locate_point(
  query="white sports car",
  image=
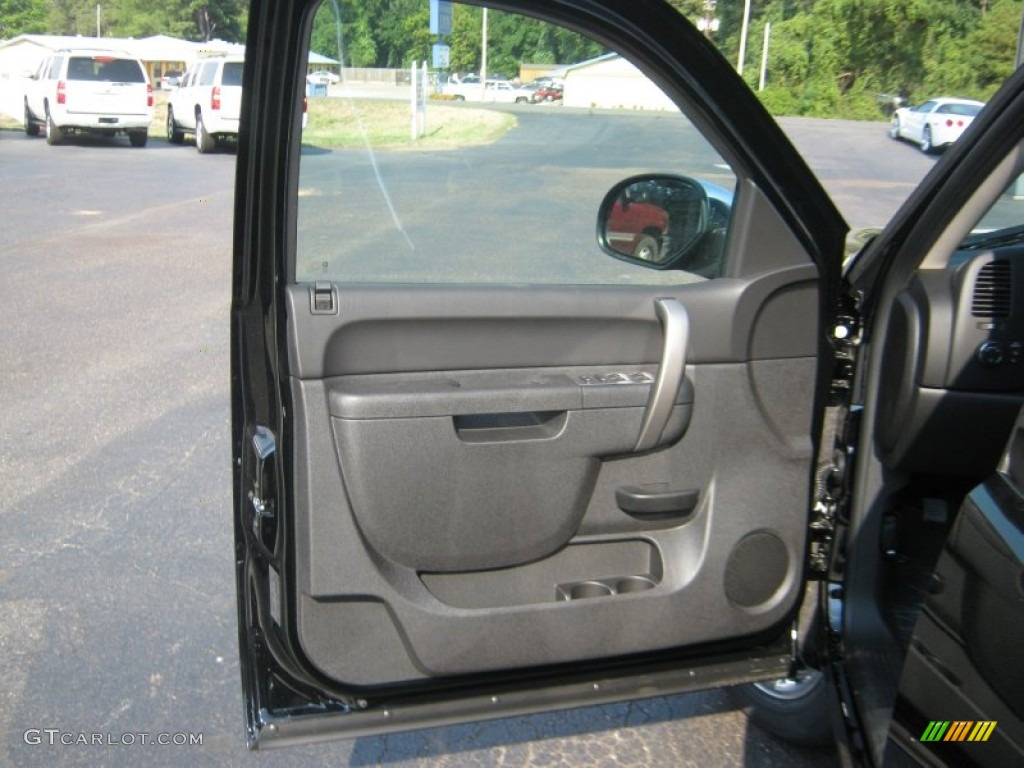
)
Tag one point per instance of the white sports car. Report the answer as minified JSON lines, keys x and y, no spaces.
{"x":936,"y":123}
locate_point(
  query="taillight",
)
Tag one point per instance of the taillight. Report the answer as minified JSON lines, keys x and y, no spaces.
{"x":305,"y":103}
{"x":215,"y":97}
{"x":61,"y":95}
{"x":149,"y":95}
{"x":949,"y":123}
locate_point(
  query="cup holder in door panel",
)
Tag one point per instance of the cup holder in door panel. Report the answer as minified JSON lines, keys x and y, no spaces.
{"x":632,"y":584}
{"x":617,"y":585}
{"x":587,"y":589}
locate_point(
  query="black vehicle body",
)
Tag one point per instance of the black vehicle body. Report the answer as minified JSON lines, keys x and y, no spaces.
{"x":821,"y":432}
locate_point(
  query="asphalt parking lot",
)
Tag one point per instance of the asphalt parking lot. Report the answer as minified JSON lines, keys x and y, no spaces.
{"x":116,"y":571}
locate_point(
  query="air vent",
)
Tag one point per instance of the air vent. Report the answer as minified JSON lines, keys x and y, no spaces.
{"x":992,"y":290}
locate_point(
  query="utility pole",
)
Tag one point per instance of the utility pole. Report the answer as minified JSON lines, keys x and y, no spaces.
{"x":743,"y":36}
{"x":483,"y":58}
{"x":1020,"y":41}
{"x":764,"y":55}
{"x":98,"y":20}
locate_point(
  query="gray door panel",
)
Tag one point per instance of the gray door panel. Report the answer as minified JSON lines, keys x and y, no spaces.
{"x":401,"y":328}
{"x":466,"y":485}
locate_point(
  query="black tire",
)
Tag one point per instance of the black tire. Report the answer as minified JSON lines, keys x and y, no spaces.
{"x":796,"y":710}
{"x":138,"y":138}
{"x":54,"y":135}
{"x":31,"y":126}
{"x":647,"y":249}
{"x":894,"y":128}
{"x":205,"y":141}
{"x":926,"y":140}
{"x":174,"y":134}
{"x":459,"y":97}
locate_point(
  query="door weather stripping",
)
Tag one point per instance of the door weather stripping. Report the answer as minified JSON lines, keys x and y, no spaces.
{"x":675,"y":324}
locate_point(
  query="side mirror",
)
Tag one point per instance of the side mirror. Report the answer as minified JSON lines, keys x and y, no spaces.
{"x":659,"y":220}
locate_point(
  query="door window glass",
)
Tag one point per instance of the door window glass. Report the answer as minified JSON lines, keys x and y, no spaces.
{"x":208,"y":73}
{"x":54,"y":72}
{"x":1003,"y":223}
{"x":503,"y":185}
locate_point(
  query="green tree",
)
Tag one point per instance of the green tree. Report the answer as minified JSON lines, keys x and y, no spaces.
{"x":19,"y":17}
{"x":73,"y":17}
{"x":347,"y":37}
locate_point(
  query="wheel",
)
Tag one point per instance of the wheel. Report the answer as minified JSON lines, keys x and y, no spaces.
{"x":459,"y":97}
{"x":894,"y":128}
{"x":54,"y":135}
{"x":549,"y":97}
{"x":31,"y":126}
{"x":646,"y":249}
{"x":174,"y":134}
{"x":926,"y":140}
{"x":796,"y":710}
{"x":138,"y":138}
{"x":205,"y":142}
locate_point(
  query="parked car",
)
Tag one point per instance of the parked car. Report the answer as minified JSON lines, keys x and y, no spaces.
{"x":549,"y":93}
{"x":81,"y":90}
{"x":638,"y":229}
{"x":323,"y":77}
{"x":654,"y":220}
{"x":498,"y":91}
{"x":526,"y":94}
{"x":935,"y":124}
{"x":170,"y":79}
{"x":460,"y":496}
{"x":207,"y":102}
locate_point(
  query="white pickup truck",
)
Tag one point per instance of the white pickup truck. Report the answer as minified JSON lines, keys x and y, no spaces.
{"x":89,"y":91}
{"x":497,"y":91}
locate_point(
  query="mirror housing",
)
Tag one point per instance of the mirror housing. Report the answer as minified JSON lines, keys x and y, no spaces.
{"x":664,"y":221}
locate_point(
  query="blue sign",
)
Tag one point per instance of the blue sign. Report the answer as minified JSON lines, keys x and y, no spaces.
{"x":442,"y":55}
{"x":440,"y":17}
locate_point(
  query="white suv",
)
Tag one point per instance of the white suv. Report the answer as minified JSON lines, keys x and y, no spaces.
{"x":207,"y":102}
{"x":89,"y":91}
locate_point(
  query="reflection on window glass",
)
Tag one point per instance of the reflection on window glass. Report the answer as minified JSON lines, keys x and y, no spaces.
{"x":491,"y":176}
{"x":1003,"y":223}
{"x":232,"y":74}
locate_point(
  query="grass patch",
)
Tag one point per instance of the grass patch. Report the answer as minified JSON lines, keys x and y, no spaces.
{"x":342,"y":122}
{"x":387,"y":125}
{"x":158,"y":125}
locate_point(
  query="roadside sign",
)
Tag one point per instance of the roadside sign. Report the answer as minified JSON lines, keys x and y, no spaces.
{"x":442,"y":55}
{"x":440,"y":17}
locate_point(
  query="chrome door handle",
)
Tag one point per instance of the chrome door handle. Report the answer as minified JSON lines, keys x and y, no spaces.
{"x":675,"y":324}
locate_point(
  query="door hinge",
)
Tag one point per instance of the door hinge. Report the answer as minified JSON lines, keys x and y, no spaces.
{"x":264,"y":446}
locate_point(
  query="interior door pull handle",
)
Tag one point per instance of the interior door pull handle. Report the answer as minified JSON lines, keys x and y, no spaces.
{"x":675,"y":325}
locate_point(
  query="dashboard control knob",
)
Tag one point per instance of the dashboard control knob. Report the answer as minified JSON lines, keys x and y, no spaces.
{"x":990,"y":353}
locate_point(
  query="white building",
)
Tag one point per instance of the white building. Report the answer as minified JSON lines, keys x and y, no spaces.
{"x":611,"y":82}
